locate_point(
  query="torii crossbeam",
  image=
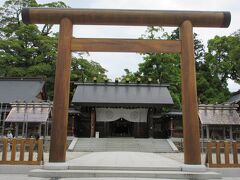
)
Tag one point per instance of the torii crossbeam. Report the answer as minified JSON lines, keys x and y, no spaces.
{"x":186,"y":20}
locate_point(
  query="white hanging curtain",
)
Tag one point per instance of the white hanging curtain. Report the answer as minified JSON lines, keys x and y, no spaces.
{"x":113,"y":114}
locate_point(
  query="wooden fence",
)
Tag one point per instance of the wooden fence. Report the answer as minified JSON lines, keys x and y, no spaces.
{"x":21,"y":151}
{"x":222,"y":154}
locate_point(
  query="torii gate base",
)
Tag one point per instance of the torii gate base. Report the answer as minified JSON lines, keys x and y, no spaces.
{"x":67,"y":17}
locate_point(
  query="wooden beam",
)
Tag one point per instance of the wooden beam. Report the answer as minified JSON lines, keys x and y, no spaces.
{"x":126,"y":17}
{"x":125,"y":45}
{"x":61,"y":94}
{"x":189,"y":97}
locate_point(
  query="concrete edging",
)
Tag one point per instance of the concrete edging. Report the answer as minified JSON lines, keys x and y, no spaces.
{"x":72,"y":145}
{"x":17,"y":169}
{"x":174,"y":148}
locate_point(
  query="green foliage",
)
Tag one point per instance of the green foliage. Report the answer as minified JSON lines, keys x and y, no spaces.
{"x":84,"y":70}
{"x":30,"y":51}
{"x":223,"y":57}
{"x":165,"y":68}
{"x":210,"y":88}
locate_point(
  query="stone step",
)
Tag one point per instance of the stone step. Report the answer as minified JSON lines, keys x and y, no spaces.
{"x":122,"y":144}
{"x":123,"y":174}
{"x":123,"y":168}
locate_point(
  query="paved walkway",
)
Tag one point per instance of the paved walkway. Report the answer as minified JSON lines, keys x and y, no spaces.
{"x":117,"y":159}
{"x":25,"y":177}
{"x":125,"y":159}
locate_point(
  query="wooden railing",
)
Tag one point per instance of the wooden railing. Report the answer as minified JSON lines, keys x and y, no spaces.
{"x":21,"y":151}
{"x":222,"y":154}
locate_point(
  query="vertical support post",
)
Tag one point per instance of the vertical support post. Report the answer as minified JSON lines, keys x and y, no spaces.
{"x":189,"y":97}
{"x":231,"y":133}
{"x":226,"y":152}
{"x":16,"y":130}
{"x":202,"y":139}
{"x":105,"y":129}
{"x":171,"y":127}
{"x":61,"y":94}
{"x":40,"y":129}
{"x":23,"y":129}
{"x":45,"y":130}
{"x":1,"y":120}
{"x":93,"y":122}
{"x":26,"y":135}
{"x":150,"y":124}
{"x":4,"y":118}
{"x":224,"y":132}
{"x":208,"y":134}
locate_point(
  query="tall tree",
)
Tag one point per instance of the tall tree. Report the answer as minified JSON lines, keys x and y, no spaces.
{"x":223,"y":57}
{"x":30,"y":50}
{"x":165,"y":68}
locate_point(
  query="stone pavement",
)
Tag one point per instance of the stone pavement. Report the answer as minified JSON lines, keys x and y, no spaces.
{"x":125,"y":159}
{"x":105,"y":159}
{"x":26,"y":177}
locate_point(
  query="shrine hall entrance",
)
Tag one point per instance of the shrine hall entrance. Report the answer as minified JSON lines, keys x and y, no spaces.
{"x":121,"y":128}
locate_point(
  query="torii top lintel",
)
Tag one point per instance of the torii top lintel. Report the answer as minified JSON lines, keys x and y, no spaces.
{"x":126,"y":17}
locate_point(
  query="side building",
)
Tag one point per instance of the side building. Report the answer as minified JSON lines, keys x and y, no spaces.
{"x":22,"y":110}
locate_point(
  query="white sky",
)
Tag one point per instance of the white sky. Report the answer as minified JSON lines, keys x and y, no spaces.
{"x":115,"y":63}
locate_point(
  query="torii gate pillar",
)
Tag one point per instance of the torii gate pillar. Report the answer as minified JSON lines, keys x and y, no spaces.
{"x":58,"y":144}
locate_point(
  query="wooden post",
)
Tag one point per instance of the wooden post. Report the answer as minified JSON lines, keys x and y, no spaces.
{"x":189,"y":97}
{"x":22,"y":148}
{"x":226,"y":152}
{"x":208,"y":134}
{"x":209,"y":153}
{"x":235,"y":152}
{"x":93,"y":122}
{"x":40,"y":150}
{"x":26,"y":135}
{"x":218,"y":152}
{"x":105,"y":129}
{"x":150,"y":124}
{"x":31,"y":147}
{"x":23,"y":129}
{"x":224,"y":132}
{"x":202,"y":139}
{"x":4,"y":149}
{"x":231,"y":133}
{"x":13,"y":150}
{"x":61,"y":94}
{"x":40,"y":129}
{"x":16,"y":130}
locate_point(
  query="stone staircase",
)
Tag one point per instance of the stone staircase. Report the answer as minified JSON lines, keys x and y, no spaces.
{"x":122,"y":144}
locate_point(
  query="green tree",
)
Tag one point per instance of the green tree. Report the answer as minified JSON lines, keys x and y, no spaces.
{"x":161,"y":68}
{"x":30,"y":50}
{"x":84,"y":70}
{"x":165,"y":68}
{"x":223,"y":57}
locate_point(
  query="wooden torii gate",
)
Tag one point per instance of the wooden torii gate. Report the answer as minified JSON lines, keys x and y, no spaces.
{"x":186,"y":20}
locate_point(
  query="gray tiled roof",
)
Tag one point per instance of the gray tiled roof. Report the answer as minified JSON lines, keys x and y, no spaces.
{"x":132,"y":95}
{"x":219,"y":115}
{"x":235,"y":98}
{"x":20,"y":90}
{"x":29,"y":113}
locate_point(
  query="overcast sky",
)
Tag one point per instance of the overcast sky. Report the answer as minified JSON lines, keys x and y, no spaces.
{"x":115,"y":63}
